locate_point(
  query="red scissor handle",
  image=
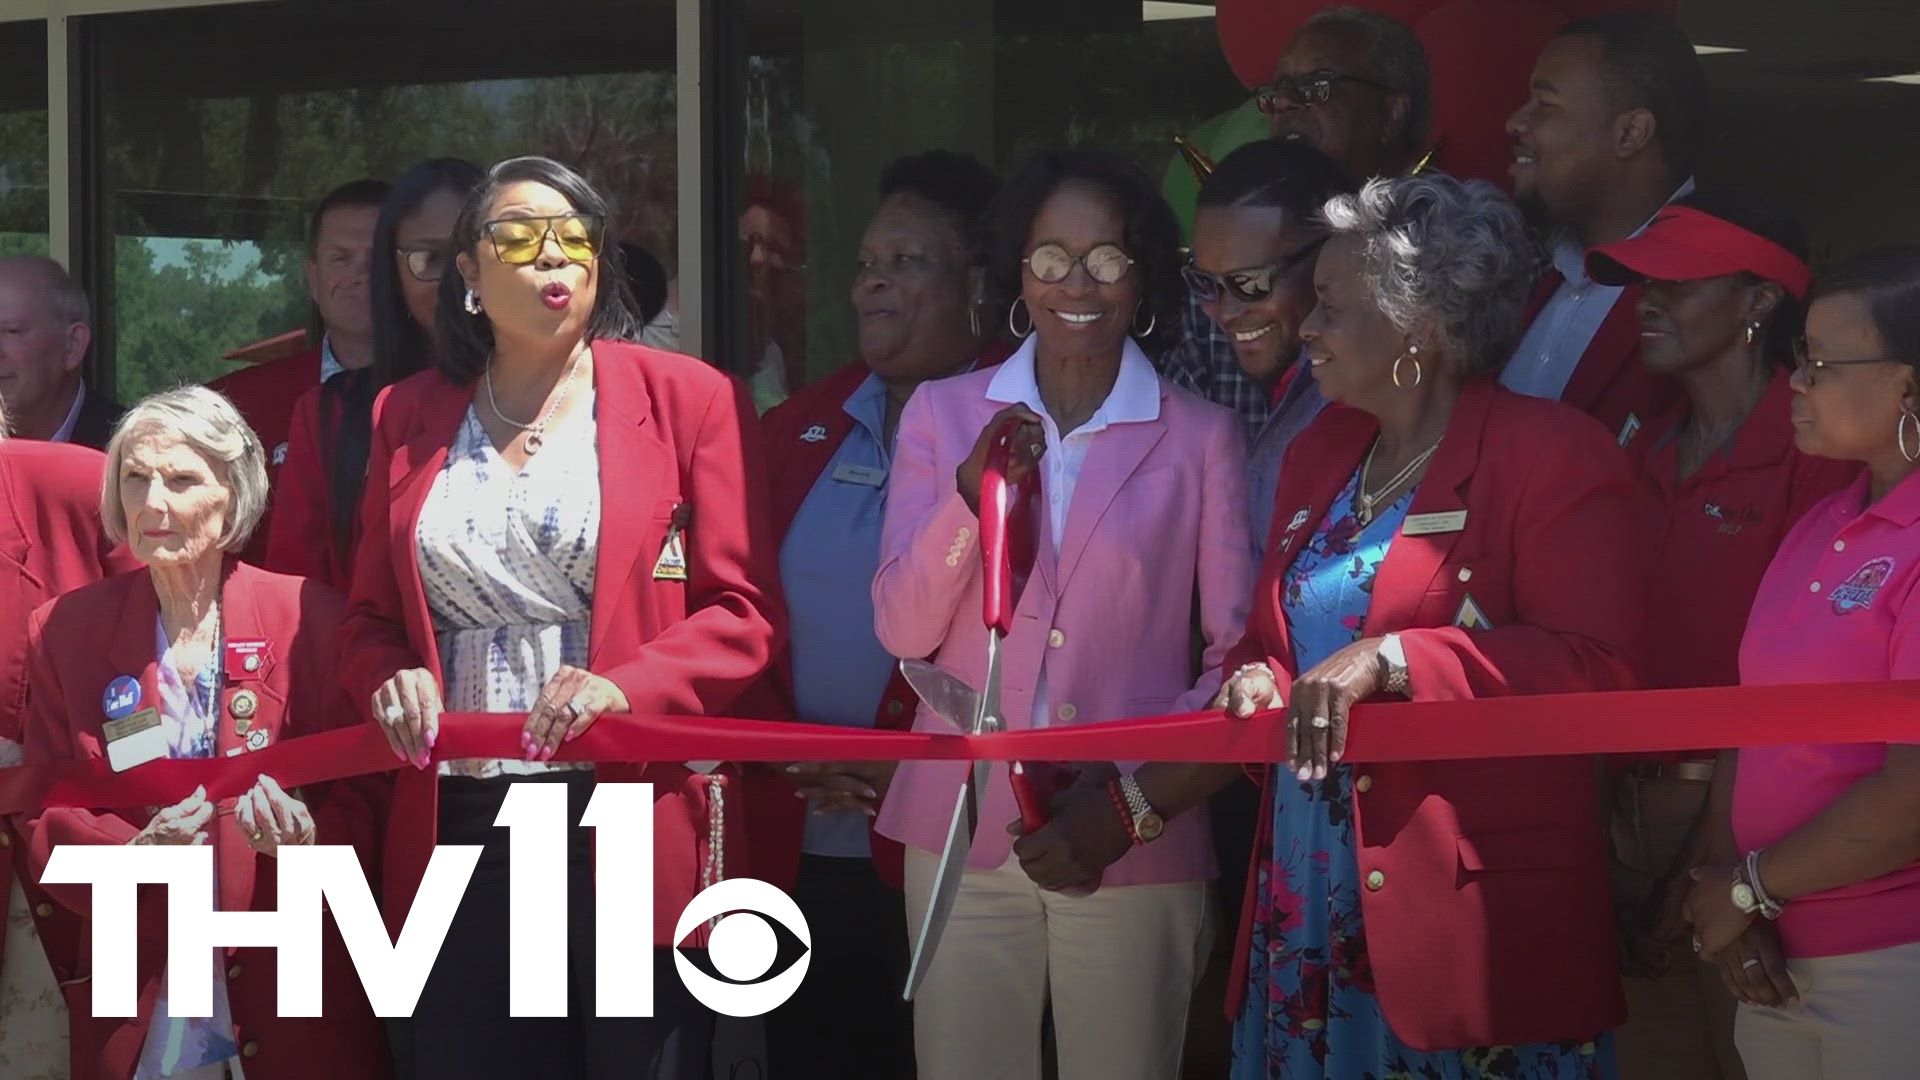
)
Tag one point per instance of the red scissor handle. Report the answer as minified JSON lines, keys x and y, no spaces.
{"x":1033,"y":809}
{"x":997,"y":513}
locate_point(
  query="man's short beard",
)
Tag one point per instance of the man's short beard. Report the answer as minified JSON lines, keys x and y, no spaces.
{"x":1534,"y":209}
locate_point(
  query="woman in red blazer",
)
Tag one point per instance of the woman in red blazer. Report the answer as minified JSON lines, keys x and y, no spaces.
{"x":316,"y":492}
{"x":1434,"y":538}
{"x":50,"y":543}
{"x":561,"y":524}
{"x":200,"y":655}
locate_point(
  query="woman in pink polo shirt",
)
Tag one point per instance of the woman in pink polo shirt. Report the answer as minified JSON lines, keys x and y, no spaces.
{"x":1814,"y":890}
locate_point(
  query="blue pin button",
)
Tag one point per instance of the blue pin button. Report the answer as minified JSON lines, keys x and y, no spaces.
{"x":122,"y":697}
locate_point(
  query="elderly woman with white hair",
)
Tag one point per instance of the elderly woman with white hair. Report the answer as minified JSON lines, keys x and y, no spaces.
{"x":1435,"y":538}
{"x":196,"y":655}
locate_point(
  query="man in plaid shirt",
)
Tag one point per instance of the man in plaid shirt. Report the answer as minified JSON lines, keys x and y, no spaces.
{"x":1354,"y":84}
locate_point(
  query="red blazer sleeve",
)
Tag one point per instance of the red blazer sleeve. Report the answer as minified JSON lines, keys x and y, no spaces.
{"x":734,"y":624}
{"x":300,"y":536}
{"x":1575,"y":547}
{"x":346,"y":811}
{"x":49,"y":738}
{"x":373,"y":633}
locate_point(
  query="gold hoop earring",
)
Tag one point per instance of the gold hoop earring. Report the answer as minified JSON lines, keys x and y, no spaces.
{"x":472,"y":303}
{"x":1413,"y":353}
{"x":1153,"y":320}
{"x":1018,"y":305}
{"x":1900,"y":434}
{"x":1753,"y":328}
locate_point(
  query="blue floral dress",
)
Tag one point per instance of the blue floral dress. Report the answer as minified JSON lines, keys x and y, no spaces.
{"x":1311,"y":1011}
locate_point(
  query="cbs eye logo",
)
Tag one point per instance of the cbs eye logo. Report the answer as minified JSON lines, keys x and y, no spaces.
{"x":742,"y":973}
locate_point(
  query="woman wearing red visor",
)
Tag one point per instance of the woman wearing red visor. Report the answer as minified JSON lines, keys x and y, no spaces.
{"x":1720,"y":307}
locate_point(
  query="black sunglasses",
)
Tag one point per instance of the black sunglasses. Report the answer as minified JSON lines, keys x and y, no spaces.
{"x":1313,"y":88}
{"x":1249,"y":286}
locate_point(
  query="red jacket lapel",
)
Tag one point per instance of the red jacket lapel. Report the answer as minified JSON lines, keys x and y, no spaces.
{"x":417,"y":461}
{"x":1412,"y":562}
{"x":802,"y":437}
{"x":633,"y":464}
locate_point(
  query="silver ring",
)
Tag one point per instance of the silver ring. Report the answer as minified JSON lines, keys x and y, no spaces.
{"x":573,"y":711}
{"x":1322,"y":722}
{"x":1750,"y":962}
{"x":394,"y":714}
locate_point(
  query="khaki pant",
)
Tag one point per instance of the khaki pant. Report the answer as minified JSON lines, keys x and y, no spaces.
{"x":1855,"y":1020}
{"x":1679,"y":1026}
{"x":1119,"y":965}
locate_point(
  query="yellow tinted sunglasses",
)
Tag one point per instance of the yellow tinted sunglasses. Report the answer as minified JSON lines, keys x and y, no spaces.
{"x":517,"y":241}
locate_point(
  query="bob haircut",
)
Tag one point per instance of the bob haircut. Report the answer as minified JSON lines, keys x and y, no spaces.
{"x":467,"y":340}
{"x":205,"y":420}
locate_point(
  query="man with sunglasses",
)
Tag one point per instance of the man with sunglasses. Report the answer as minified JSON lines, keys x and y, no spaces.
{"x":1354,"y":85}
{"x":339,"y":263}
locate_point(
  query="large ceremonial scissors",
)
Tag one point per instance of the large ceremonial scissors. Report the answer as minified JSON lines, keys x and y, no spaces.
{"x":1007,"y":546}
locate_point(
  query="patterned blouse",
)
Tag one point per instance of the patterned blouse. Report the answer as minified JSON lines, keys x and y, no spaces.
{"x":507,"y":559}
{"x":189,"y":1047}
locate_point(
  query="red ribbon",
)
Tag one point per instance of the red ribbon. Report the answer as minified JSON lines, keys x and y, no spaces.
{"x":1648,"y":721}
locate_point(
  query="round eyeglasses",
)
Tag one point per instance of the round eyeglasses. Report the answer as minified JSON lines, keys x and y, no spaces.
{"x":1050,"y":263}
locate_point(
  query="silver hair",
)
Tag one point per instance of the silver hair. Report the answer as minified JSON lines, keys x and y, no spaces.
{"x":1402,"y":59}
{"x":205,"y":420}
{"x":70,"y":302}
{"x":1443,"y":259}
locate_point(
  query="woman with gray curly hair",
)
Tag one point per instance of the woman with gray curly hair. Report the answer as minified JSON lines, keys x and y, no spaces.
{"x":1435,"y":538}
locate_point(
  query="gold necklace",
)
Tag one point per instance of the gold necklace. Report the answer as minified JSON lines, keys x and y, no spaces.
{"x":1368,"y":500}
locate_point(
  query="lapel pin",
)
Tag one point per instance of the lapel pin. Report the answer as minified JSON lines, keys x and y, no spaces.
{"x":243,"y":706}
{"x":816,"y":433}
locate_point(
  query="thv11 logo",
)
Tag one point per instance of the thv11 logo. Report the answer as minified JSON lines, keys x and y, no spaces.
{"x":741,"y":944}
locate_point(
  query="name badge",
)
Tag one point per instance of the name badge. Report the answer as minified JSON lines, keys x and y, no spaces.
{"x":866,"y":476}
{"x":135,"y":740}
{"x":1434,"y":524}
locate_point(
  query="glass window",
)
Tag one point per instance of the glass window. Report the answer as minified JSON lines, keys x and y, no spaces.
{"x":830,"y":91}
{"x":220,"y":127}
{"x":23,"y":138}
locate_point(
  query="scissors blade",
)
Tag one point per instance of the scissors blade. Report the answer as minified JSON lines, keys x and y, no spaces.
{"x":946,"y":885}
{"x":950,"y":698}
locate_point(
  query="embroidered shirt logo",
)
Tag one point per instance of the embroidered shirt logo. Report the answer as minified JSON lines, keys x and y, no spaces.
{"x":816,"y":433}
{"x":1856,"y":593}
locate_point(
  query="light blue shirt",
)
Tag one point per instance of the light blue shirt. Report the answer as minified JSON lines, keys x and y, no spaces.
{"x":330,"y":364}
{"x":1552,"y":347}
{"x":830,"y":555}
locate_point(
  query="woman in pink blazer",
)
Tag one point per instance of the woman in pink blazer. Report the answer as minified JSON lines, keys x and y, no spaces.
{"x":1142,"y":498}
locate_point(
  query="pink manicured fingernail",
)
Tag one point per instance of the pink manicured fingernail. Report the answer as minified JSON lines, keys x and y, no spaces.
{"x":432,"y":734}
{"x":526,"y":742}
